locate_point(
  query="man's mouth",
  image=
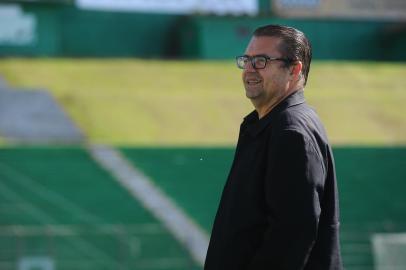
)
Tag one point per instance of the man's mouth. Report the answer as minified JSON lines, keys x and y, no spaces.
{"x":253,"y":81}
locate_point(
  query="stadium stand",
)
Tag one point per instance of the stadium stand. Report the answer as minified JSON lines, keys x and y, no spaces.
{"x":33,"y":116}
{"x":58,"y":207}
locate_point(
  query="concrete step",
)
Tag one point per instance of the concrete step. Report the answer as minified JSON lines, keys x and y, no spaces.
{"x":34,"y":116}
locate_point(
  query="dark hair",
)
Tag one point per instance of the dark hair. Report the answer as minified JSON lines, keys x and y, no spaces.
{"x":294,"y":46}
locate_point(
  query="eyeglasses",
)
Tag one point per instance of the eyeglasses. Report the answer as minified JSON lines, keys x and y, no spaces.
{"x":257,"y":62}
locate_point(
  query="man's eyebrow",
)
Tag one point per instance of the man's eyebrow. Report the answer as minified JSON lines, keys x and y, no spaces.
{"x":261,"y":54}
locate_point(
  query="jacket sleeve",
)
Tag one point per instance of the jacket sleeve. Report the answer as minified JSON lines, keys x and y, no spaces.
{"x":293,"y":188}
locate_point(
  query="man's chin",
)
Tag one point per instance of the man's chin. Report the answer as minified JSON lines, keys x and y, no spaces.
{"x":251,"y":94}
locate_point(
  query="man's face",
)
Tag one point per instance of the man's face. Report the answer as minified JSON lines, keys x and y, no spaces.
{"x":265,"y":86}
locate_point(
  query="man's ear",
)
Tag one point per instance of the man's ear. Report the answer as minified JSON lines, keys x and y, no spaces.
{"x":296,"y":69}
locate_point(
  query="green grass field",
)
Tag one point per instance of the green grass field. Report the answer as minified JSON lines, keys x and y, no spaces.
{"x":57,"y":202}
{"x":150,"y":102}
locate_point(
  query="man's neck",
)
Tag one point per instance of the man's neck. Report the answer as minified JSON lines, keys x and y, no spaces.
{"x":264,"y":109}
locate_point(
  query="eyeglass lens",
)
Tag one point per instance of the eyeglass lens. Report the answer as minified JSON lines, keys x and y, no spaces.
{"x":258,"y":62}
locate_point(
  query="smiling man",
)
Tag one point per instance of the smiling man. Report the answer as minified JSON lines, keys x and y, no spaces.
{"x":279,"y":207}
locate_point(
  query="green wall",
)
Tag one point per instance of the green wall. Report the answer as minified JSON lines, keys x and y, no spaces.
{"x":47,"y":41}
{"x":226,"y":37}
{"x":92,"y":33}
{"x":63,"y":30}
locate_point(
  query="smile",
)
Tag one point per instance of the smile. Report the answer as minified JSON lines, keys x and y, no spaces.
{"x":253,"y":82}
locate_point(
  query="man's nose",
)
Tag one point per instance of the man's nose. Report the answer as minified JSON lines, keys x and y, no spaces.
{"x":249,"y":66}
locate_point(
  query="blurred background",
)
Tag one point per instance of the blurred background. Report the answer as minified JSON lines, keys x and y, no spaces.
{"x":119,"y":118}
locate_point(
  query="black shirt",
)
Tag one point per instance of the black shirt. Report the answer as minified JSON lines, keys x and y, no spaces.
{"x":279,"y":207}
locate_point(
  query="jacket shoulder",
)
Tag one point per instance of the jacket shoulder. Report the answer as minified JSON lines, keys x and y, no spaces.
{"x":296,"y":118}
{"x":304,"y":120}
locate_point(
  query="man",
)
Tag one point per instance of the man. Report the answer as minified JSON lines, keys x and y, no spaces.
{"x":279,"y":207}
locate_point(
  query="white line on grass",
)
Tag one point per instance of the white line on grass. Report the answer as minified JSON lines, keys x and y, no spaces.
{"x":34,"y":212}
{"x":184,"y":229}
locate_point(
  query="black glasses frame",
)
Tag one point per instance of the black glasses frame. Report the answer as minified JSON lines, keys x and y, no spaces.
{"x":253,"y":59}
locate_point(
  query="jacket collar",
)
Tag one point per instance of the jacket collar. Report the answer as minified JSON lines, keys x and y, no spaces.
{"x":254,"y":125}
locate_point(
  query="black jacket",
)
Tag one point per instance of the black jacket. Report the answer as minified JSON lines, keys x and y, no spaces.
{"x":279,"y":207}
